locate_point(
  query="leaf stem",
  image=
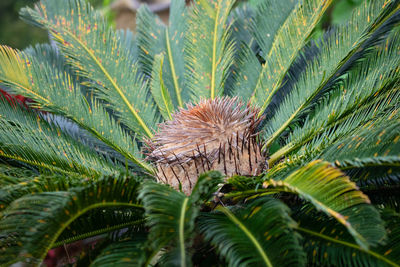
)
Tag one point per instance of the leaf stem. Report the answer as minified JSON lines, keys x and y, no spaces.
{"x":96,"y":232}
{"x":214,"y":53}
{"x":83,"y":211}
{"x":172,"y":66}
{"x":253,"y":239}
{"x":344,"y":243}
{"x":181,"y":232}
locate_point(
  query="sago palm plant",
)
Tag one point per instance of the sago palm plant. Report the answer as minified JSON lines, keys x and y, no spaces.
{"x":229,"y":137}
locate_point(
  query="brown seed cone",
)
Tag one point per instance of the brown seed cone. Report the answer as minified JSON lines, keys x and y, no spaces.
{"x":216,"y":134}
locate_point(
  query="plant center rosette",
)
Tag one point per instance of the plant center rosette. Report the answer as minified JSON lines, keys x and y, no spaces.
{"x":216,"y":134}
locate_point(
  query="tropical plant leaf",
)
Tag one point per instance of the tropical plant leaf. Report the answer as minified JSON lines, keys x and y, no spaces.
{"x":98,"y":222}
{"x":171,"y":225}
{"x":327,"y":243}
{"x":377,"y":76}
{"x":209,"y":50}
{"x":331,"y":192}
{"x":268,"y":20}
{"x":92,"y":54}
{"x":377,"y":142}
{"x":26,"y":137}
{"x":31,"y":183}
{"x":175,"y":53}
{"x":319,"y":76}
{"x":158,"y":89}
{"x":377,"y":161}
{"x":149,"y":37}
{"x":94,"y":222}
{"x":31,"y":225}
{"x":121,"y":253}
{"x":155,"y":38}
{"x":259,"y":233}
{"x":287,"y":43}
{"x":51,"y":94}
{"x":11,"y":175}
{"x":246,"y":49}
{"x":245,"y":73}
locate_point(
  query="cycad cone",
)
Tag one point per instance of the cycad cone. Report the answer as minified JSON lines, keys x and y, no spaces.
{"x":216,"y":134}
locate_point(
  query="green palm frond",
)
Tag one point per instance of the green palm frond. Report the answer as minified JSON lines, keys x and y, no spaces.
{"x":32,"y":183}
{"x":149,"y":38}
{"x":154,"y":38}
{"x":175,"y":52}
{"x":327,"y":66}
{"x":242,"y":18}
{"x":379,"y":141}
{"x":331,"y":192}
{"x":122,"y":253}
{"x":77,"y":157}
{"x":51,"y":88}
{"x":260,"y":233}
{"x":11,"y":175}
{"x":92,"y":223}
{"x":92,"y":54}
{"x":171,"y":225}
{"x":27,"y":137}
{"x":269,"y":17}
{"x":209,"y":49}
{"x":100,"y":222}
{"x":328,"y":244}
{"x":378,"y":76}
{"x":243,"y":76}
{"x":288,"y":41}
{"x":376,"y":160}
{"x":255,"y":26}
{"x":160,"y":93}
{"x":31,"y":225}
{"x":245,"y":73}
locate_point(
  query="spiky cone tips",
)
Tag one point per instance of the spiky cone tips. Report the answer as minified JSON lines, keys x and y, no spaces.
{"x":216,"y":134}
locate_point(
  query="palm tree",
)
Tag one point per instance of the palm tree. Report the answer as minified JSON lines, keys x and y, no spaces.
{"x":228,"y":137}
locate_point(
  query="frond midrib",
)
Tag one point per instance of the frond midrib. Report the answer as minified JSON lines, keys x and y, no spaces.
{"x":96,"y":232}
{"x":328,"y":79}
{"x":292,"y":58}
{"x":114,"y":84}
{"x":81,"y":212}
{"x":214,"y":52}
{"x":252,"y":238}
{"x":172,"y":66}
{"x":347,"y":244}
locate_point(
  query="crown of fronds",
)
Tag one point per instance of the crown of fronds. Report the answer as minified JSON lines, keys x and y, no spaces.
{"x":120,"y":132}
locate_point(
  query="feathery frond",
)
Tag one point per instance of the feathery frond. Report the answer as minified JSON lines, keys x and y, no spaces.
{"x":328,"y":64}
{"x":260,"y":233}
{"x":93,"y":53}
{"x":327,"y":243}
{"x":377,"y":76}
{"x":122,"y":253}
{"x":159,"y":91}
{"x":208,"y":47}
{"x":330,"y":191}
{"x":27,"y":137}
{"x":170,"y":225}
{"x":51,"y":88}
{"x":288,"y":41}
{"x":324,"y":192}
{"x":31,"y":224}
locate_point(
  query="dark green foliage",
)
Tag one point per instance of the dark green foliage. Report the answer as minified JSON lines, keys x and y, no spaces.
{"x":171,"y":217}
{"x":33,"y":223}
{"x":260,"y":233}
{"x":73,"y":165}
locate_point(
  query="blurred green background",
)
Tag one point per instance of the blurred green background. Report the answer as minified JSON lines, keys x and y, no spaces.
{"x":15,"y":33}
